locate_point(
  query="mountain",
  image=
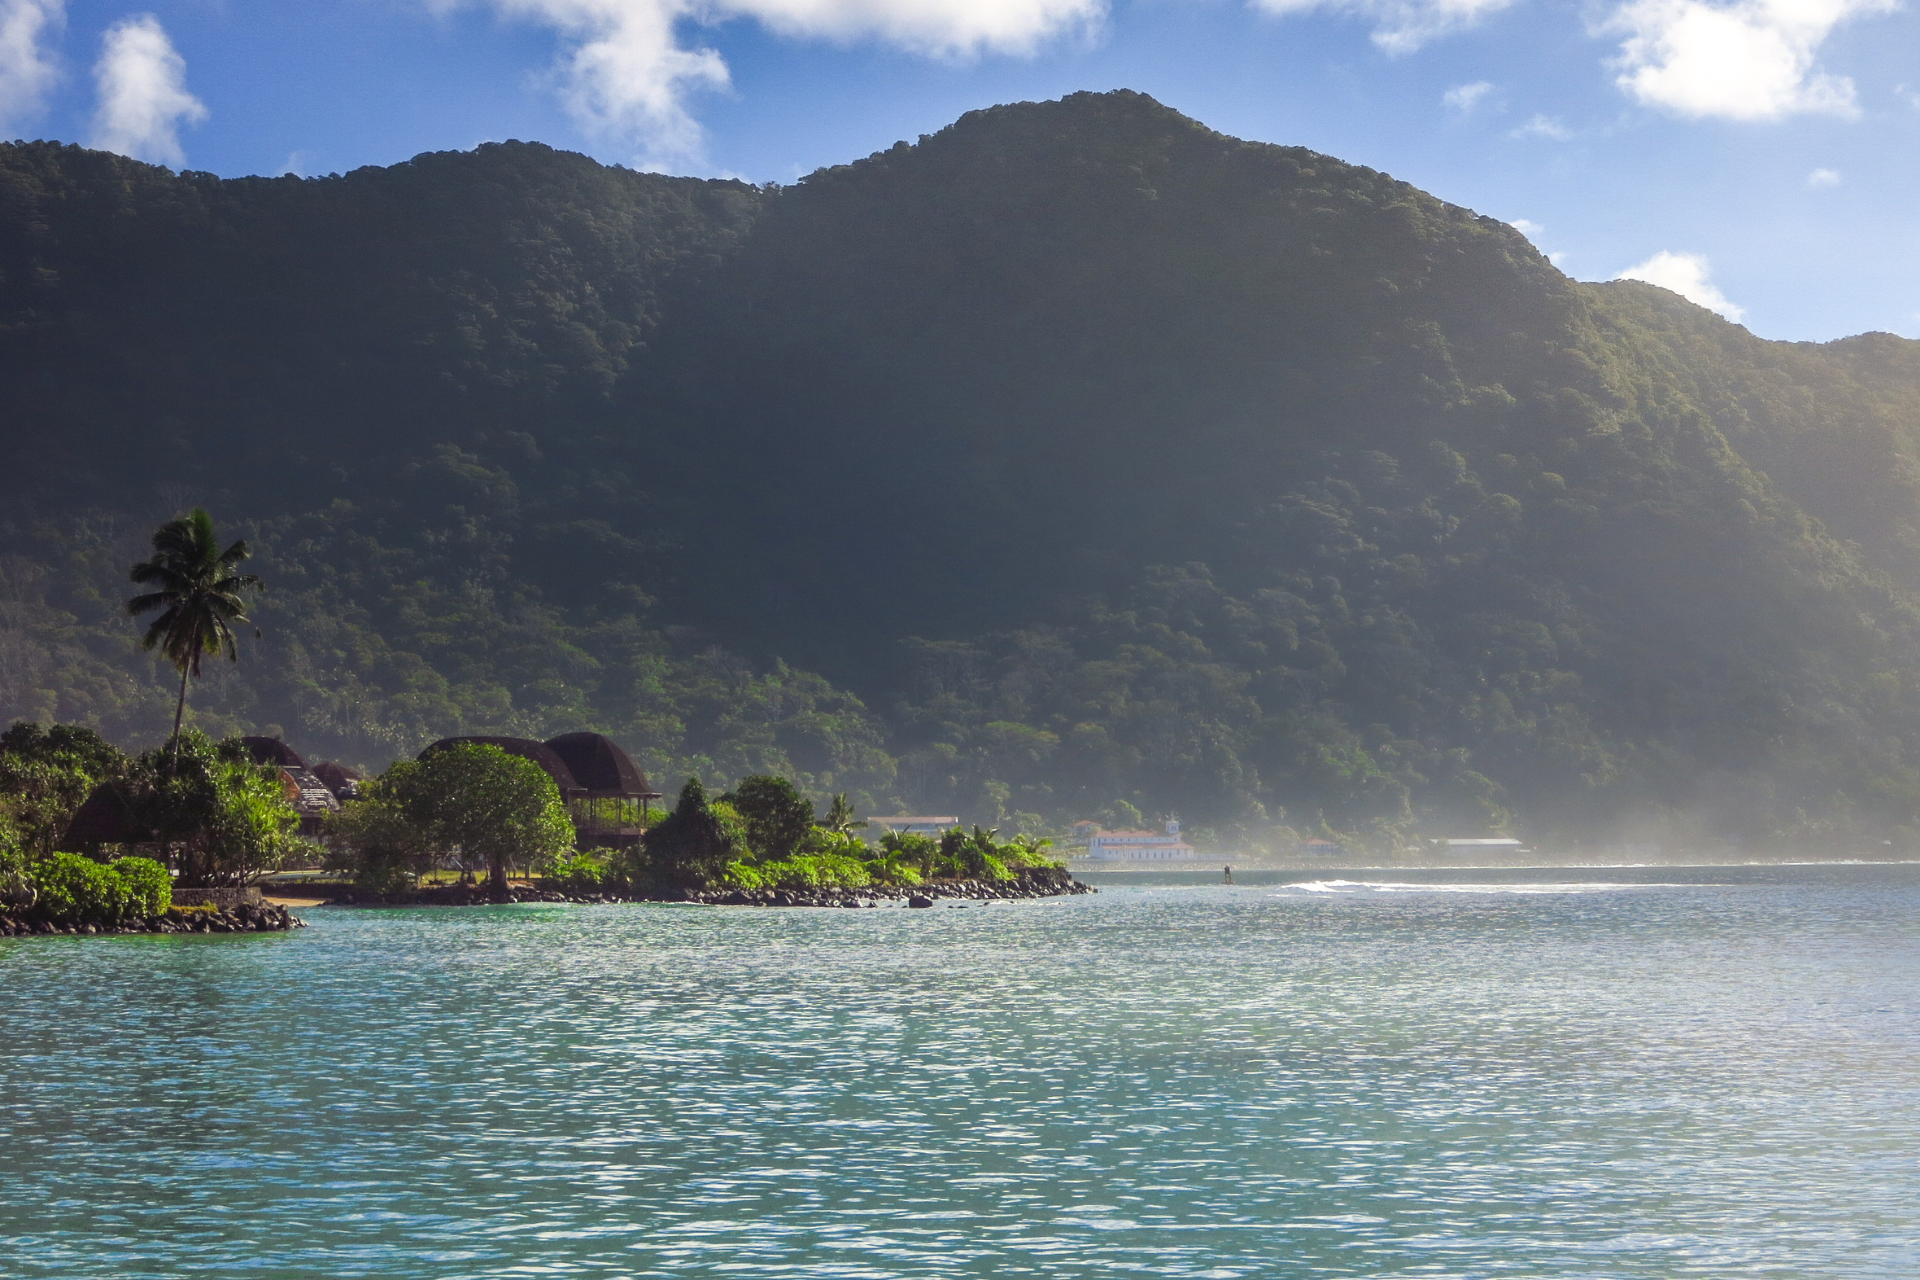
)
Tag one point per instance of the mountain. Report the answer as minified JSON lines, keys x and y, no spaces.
{"x":1098,"y":464}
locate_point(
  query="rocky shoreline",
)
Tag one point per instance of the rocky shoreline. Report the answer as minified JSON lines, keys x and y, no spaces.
{"x":245,"y":917}
{"x":1040,"y":882}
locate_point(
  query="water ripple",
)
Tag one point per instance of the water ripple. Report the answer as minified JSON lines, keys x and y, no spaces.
{"x":1512,"y":1077}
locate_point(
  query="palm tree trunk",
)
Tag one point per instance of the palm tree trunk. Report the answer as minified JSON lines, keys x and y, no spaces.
{"x":179,"y":710}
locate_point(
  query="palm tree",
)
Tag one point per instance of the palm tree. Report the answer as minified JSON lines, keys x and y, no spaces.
{"x":200,"y":593}
{"x":840,"y":817}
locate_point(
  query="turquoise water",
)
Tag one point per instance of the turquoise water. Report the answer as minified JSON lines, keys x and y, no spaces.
{"x":1552,"y":1074}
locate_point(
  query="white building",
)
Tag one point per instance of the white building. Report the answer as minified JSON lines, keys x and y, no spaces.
{"x":915,"y":824}
{"x":1481,"y":844}
{"x":1139,"y":846}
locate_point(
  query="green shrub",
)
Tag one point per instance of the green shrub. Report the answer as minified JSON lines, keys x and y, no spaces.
{"x":383,"y":869}
{"x":578,"y":871}
{"x":16,"y":880}
{"x":739,"y":875}
{"x":73,"y":890}
{"x":775,"y":816}
{"x":815,"y":871}
{"x":694,"y":844}
{"x":149,"y":889}
{"x":887,"y":869}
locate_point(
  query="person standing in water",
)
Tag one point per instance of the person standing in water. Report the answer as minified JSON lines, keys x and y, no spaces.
{"x":1229,"y":879}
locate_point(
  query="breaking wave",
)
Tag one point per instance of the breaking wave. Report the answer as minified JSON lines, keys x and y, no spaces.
{"x":1398,"y":886}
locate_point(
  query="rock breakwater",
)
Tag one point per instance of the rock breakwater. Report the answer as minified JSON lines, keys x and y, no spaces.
{"x":243,"y":918}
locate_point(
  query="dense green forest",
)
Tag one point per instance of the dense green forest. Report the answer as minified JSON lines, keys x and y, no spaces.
{"x":1075,"y":461}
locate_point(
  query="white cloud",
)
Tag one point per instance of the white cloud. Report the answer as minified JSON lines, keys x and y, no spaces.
{"x":1750,"y":60}
{"x":1543,"y":127}
{"x":1824,"y":178}
{"x":1465,"y":97}
{"x":1687,"y":275}
{"x":1399,"y":26}
{"x":627,"y":73}
{"x":143,"y":93}
{"x":27,"y":68}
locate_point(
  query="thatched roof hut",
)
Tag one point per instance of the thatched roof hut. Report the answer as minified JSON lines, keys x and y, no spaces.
{"x":273,"y":751}
{"x":342,"y":781}
{"x":602,"y":766}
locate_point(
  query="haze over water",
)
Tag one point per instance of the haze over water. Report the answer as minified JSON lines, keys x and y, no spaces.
{"x":1647,"y":1073}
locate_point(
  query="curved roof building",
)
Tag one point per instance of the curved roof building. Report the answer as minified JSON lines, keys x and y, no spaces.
{"x":273,"y":751}
{"x":601,"y":765}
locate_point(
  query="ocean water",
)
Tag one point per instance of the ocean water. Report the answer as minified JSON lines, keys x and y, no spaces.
{"x":1647,"y":1073}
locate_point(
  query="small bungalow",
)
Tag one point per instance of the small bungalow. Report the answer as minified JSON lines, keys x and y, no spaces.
{"x":1140,"y":846}
{"x":342,"y":781}
{"x":311,"y":796}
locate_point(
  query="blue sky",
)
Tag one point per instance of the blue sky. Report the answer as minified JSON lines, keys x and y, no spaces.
{"x":1759,"y":155}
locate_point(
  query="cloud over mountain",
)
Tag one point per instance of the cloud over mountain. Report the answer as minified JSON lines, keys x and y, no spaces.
{"x":27,"y":68}
{"x":628,"y":69}
{"x":144,"y":101}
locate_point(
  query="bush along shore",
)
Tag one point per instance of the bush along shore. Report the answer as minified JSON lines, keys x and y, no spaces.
{"x":65,"y":893}
{"x":1031,"y":882}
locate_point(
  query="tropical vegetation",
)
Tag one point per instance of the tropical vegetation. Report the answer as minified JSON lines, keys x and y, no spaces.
{"x":1075,"y":461}
{"x":471,"y":805}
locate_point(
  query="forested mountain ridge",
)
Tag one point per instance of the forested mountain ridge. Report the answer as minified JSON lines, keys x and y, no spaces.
{"x":1114,"y":464}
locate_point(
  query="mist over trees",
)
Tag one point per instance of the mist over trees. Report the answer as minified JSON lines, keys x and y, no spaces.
{"x":1075,"y":461}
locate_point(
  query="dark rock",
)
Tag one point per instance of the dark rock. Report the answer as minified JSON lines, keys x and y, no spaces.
{"x":919,"y":900}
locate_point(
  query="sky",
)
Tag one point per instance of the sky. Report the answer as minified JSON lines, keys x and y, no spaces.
{"x":1757,"y":156}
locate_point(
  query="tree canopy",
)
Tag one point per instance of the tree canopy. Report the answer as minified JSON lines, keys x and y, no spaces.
{"x":474,"y":801}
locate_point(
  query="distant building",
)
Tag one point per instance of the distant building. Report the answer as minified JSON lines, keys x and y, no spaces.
{"x":1478,"y":844}
{"x":1319,"y":848}
{"x":1139,"y":846}
{"x":306,"y":791}
{"x":916,"y":824}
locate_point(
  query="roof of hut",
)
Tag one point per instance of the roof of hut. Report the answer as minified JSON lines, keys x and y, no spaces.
{"x":526,"y":748}
{"x":339,"y":779}
{"x":103,"y":819}
{"x":601,"y":765}
{"x":309,"y":793}
{"x":273,"y":751}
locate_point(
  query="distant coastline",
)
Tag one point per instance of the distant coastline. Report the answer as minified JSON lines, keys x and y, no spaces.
{"x":1294,"y":866}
